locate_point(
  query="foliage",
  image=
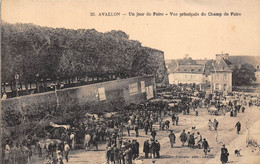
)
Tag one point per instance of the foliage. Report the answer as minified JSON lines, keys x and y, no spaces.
{"x":187,"y":60}
{"x":28,"y":50}
{"x":243,"y":75}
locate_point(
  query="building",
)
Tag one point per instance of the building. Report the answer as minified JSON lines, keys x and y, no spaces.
{"x":171,"y":66}
{"x":221,"y":74}
{"x":189,"y":74}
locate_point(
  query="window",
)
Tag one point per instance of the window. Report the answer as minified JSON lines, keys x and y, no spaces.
{"x":133,"y":89}
{"x":192,"y":70}
{"x":225,"y":77}
{"x":102,"y":94}
{"x":257,"y":67}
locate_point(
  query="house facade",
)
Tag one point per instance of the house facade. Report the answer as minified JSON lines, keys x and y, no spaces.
{"x":189,"y":74}
{"x":221,"y":75}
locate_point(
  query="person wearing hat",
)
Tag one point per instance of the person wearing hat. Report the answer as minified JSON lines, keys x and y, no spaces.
{"x":198,"y":140}
{"x":205,"y":146}
{"x":210,"y":124}
{"x":95,"y":141}
{"x":224,"y":154}
{"x":238,"y":125}
{"x":172,"y":138}
{"x":153,"y":148}
{"x":136,"y":130}
{"x":153,"y":134}
{"x":108,"y":154}
{"x":146,"y":148}
{"x":128,"y":155}
{"x":157,"y":148}
{"x":183,"y":137}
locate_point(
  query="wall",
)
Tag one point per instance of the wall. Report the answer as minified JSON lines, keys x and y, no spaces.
{"x":188,"y":78}
{"x":171,"y":78}
{"x":257,"y":75}
{"x":220,"y":81}
{"x":89,"y":96}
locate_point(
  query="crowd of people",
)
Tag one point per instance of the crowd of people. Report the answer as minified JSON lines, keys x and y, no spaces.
{"x":91,"y":130}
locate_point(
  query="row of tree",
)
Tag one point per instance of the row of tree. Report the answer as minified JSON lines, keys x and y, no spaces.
{"x":29,"y":50}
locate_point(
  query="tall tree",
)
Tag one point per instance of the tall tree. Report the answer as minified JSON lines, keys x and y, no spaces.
{"x":243,"y":75}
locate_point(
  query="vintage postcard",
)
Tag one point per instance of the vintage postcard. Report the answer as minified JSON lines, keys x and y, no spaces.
{"x":130,"y":81}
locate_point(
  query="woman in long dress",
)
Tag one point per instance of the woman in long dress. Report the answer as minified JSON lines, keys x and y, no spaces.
{"x":224,"y":155}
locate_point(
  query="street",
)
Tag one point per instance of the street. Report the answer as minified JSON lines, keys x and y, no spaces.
{"x":226,"y":134}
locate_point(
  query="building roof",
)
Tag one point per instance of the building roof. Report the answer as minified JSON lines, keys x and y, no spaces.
{"x":222,"y":66}
{"x":196,"y":69}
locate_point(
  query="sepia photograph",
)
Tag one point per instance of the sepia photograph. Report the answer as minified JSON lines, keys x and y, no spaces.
{"x":130,"y":82}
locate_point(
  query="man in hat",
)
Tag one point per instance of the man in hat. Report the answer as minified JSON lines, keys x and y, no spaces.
{"x":128,"y":129}
{"x":136,"y":131}
{"x":192,"y":140}
{"x":205,"y":146}
{"x":183,"y":137}
{"x":146,"y":148}
{"x":136,"y":144}
{"x":153,"y":148}
{"x":210,"y":124}
{"x":128,"y":155}
{"x":224,"y":154}
{"x":95,"y":141}
{"x":215,"y":124}
{"x":238,"y":125}
{"x":167,"y":124}
{"x":157,"y":148}
{"x":146,"y":127}
{"x":108,"y":154}
{"x":177,"y":120}
{"x":199,"y":139}
{"x":172,"y":138}
{"x":153,"y":134}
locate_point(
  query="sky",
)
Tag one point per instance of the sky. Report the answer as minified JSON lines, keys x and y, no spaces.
{"x":200,"y":37}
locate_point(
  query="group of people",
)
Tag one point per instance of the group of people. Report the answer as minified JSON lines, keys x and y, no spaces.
{"x":213,"y":124}
{"x":88,"y":131}
{"x":193,"y":140}
{"x":121,"y":151}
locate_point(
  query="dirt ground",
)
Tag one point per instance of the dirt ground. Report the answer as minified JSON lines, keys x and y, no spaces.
{"x":226,"y":134}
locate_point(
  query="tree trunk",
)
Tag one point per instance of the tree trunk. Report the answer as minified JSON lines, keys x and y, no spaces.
{"x":3,"y":87}
{"x":45,"y":85}
{"x":26,"y":87}
{"x":11,"y":86}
